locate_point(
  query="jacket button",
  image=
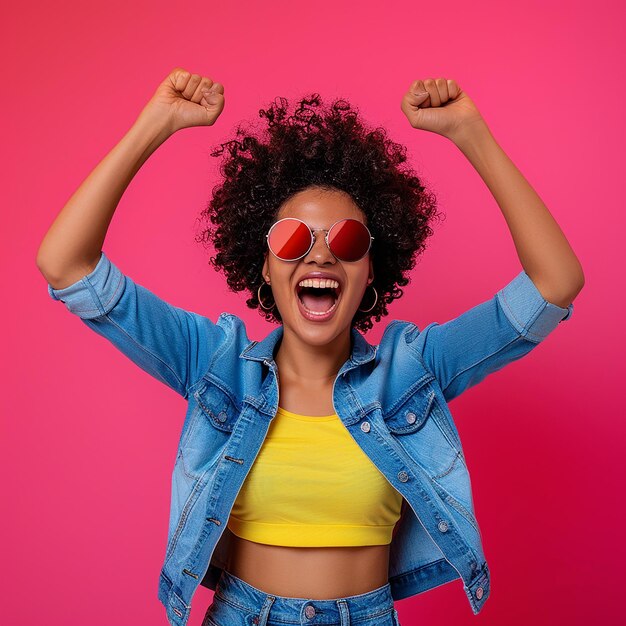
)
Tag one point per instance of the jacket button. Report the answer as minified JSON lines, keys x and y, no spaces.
{"x":365,"y":427}
{"x":403,"y":476}
{"x":443,"y":526}
{"x":479,"y":593}
{"x":309,"y":611}
{"x":410,"y":418}
{"x":221,"y":416}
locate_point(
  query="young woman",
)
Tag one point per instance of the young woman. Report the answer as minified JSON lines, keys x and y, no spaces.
{"x":318,"y":478}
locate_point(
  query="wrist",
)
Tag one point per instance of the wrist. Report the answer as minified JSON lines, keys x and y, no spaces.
{"x":153,"y":126}
{"x":470,"y":133}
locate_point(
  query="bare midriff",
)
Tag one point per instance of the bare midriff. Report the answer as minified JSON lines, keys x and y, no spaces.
{"x":314,"y":573}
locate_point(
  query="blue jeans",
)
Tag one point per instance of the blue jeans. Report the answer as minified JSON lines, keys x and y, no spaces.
{"x":236,"y":603}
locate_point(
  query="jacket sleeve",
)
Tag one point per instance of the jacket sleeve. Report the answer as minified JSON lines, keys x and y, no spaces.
{"x":463,"y":351}
{"x":171,"y":344}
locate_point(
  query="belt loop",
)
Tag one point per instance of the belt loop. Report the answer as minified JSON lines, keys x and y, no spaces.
{"x":344,"y":613}
{"x":265,"y":610}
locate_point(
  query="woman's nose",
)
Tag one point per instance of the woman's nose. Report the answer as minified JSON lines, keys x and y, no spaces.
{"x":319,"y":251}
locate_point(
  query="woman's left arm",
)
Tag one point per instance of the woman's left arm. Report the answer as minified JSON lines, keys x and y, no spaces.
{"x":543,"y":250}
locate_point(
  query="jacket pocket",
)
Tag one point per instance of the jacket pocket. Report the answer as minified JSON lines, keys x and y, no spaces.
{"x":217,"y":405}
{"x":413,"y":424}
{"x":214,"y":413}
{"x":411,"y":416}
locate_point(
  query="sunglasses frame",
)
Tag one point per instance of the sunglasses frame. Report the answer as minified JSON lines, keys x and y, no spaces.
{"x":313,"y":238}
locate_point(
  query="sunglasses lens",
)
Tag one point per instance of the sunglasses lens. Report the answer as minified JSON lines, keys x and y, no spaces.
{"x":289,"y":239}
{"x":349,"y":240}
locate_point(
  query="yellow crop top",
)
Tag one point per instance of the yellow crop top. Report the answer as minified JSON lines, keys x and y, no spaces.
{"x":312,"y":485}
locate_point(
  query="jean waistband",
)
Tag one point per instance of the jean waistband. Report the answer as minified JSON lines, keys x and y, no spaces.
{"x":305,"y":610}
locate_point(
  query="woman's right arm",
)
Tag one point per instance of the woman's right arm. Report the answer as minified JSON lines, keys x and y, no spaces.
{"x":171,"y":344}
{"x":71,"y":247}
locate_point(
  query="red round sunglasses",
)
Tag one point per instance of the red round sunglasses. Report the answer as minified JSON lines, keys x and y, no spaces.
{"x":290,"y":239}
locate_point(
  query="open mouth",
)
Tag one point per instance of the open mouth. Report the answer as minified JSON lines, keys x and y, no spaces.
{"x":318,"y":297}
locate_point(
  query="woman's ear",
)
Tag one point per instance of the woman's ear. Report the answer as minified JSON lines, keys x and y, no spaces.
{"x":266,"y":267}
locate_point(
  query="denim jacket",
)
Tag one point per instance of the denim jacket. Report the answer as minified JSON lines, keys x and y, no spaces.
{"x":392,"y":397}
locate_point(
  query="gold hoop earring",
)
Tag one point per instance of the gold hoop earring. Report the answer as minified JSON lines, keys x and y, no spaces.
{"x":267,"y":308}
{"x":375,"y":300}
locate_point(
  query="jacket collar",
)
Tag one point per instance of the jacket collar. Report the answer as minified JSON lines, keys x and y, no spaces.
{"x":362,"y":351}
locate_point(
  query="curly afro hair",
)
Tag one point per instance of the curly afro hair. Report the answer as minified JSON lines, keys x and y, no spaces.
{"x":329,"y":148}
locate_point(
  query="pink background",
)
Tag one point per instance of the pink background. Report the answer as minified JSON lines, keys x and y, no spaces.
{"x":88,"y":439}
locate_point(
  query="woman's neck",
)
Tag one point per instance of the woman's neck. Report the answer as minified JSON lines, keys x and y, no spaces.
{"x":303,"y":362}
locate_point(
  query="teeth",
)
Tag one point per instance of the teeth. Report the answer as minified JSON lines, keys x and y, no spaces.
{"x":324,"y":283}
